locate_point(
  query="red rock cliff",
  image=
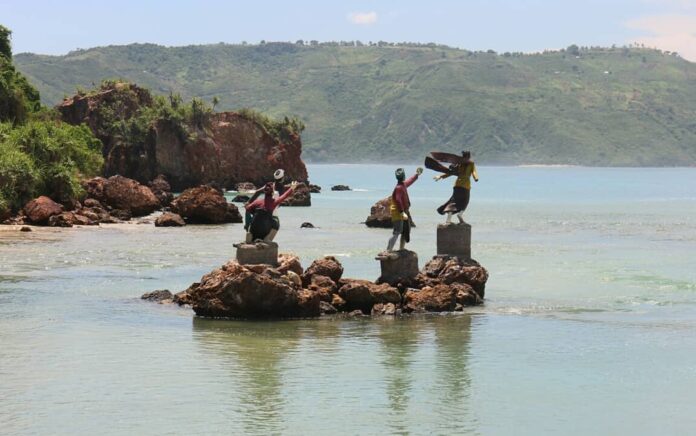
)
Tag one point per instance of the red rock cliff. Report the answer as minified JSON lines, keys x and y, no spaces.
{"x":229,"y":150}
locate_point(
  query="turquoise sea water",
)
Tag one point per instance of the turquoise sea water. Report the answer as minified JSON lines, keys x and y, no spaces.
{"x":589,"y":324}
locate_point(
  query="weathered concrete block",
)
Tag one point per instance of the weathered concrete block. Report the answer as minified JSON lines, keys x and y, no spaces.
{"x":259,"y":253}
{"x":454,"y":240}
{"x":398,"y":266}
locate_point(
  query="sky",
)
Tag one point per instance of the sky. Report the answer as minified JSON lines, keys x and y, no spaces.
{"x":57,"y":27}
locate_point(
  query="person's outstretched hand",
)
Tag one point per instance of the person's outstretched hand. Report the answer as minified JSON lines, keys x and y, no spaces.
{"x":419,"y":171}
{"x":294,"y":184}
{"x":437,"y":178}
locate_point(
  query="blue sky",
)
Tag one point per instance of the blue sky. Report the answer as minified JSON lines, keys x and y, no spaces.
{"x":56,"y":27}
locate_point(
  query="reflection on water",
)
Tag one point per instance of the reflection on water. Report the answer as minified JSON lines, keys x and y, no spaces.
{"x":417,"y":380}
{"x":588,"y":326}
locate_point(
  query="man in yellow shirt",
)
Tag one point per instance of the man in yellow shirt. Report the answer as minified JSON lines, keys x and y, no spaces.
{"x":459,"y":200}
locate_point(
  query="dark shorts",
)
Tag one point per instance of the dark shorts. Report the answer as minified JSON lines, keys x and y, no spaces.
{"x":262,"y":223}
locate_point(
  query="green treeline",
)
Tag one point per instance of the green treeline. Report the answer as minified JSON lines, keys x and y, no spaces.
{"x":39,"y":155}
{"x":395,"y":102}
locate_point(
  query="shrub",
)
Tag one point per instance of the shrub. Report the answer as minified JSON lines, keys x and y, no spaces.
{"x":46,"y":158}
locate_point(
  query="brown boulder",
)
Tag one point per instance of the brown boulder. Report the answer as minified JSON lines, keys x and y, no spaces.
{"x":69,"y":219}
{"x":363,"y":294}
{"x":234,"y":291}
{"x":388,"y":309}
{"x":162,"y":190}
{"x":159,"y":296}
{"x":205,"y":205}
{"x":169,"y":219}
{"x":329,"y":266}
{"x":465,"y":295}
{"x":440,"y":298}
{"x":449,"y":270}
{"x":324,"y":286}
{"x":380,"y":215}
{"x":300,"y":197}
{"x":289,"y":262}
{"x":122,"y":193}
{"x":39,"y":210}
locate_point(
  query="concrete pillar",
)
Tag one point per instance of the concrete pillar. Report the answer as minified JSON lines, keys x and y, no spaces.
{"x":259,"y":253}
{"x":454,"y":240}
{"x":398,"y":266}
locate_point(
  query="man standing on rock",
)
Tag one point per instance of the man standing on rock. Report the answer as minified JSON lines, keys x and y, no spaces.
{"x":399,"y":208}
{"x":260,"y":223}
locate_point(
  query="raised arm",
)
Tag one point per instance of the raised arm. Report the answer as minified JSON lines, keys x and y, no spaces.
{"x":288,"y":192}
{"x":408,"y":182}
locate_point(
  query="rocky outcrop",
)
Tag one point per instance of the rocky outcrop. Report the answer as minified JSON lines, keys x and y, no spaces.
{"x":162,"y":190}
{"x":205,"y":205}
{"x":41,"y":209}
{"x":285,"y":291}
{"x":159,"y":296}
{"x":314,"y":189}
{"x":340,"y":188}
{"x":122,"y":193}
{"x":169,"y":219}
{"x":451,"y":270}
{"x":329,"y":266}
{"x":300,"y":197}
{"x":380,"y":215}
{"x":69,"y":219}
{"x":236,"y":291}
{"x":231,"y":148}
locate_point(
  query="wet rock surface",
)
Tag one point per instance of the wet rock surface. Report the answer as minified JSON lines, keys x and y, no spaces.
{"x":340,"y":188}
{"x":169,"y":219}
{"x":286,"y":291}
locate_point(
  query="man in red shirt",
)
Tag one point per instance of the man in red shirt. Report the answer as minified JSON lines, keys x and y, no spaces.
{"x":260,"y":223}
{"x":399,"y":208}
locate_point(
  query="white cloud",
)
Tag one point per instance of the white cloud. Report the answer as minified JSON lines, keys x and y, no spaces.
{"x":363,"y":18}
{"x":668,"y":32}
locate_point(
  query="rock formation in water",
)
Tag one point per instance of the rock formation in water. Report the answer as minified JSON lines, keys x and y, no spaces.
{"x":205,"y":205}
{"x":286,"y":291}
{"x":231,"y":147}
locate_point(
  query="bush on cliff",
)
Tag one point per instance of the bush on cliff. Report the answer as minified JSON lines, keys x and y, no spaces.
{"x":280,"y":130}
{"x":18,"y":99}
{"x":45,"y":158}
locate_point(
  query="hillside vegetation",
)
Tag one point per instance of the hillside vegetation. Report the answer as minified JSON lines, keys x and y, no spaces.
{"x":591,"y":106}
{"x":39,"y":155}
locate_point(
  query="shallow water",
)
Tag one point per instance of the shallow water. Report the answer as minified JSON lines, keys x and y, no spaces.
{"x":588,"y":325}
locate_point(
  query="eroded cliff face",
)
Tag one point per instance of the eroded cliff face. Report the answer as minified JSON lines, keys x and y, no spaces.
{"x":229,"y":149}
{"x":234,"y":149}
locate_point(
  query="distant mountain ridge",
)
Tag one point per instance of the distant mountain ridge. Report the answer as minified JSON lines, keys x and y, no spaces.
{"x":596,"y":106}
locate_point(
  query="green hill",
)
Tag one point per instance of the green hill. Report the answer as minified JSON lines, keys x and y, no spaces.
{"x":596,"y":106}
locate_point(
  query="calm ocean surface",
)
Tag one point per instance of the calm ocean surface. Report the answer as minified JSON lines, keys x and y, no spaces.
{"x":589,"y":324}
